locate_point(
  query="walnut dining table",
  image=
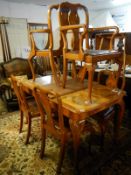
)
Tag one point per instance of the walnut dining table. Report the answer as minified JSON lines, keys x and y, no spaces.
{"x":75,"y":102}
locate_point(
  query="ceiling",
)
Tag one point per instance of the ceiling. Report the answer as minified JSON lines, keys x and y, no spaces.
{"x":91,"y":4}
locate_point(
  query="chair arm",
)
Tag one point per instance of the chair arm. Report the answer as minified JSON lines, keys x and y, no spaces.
{"x":71,"y":27}
{"x":113,"y":33}
{"x":40,"y":31}
{"x":104,"y":28}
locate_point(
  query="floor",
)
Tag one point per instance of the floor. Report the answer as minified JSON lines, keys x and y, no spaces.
{"x":16,"y":158}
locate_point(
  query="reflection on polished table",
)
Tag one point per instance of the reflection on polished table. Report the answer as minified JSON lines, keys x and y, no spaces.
{"x":75,"y":102}
{"x":49,"y":83}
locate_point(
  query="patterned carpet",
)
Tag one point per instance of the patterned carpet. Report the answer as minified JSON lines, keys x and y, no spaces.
{"x":16,"y":158}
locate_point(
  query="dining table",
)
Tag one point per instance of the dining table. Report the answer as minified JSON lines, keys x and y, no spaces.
{"x":75,"y":102}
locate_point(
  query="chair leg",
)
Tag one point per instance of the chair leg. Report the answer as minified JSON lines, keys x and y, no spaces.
{"x":21,"y":121}
{"x":61,"y":155}
{"x":30,"y":60}
{"x":43,"y":139}
{"x":103,"y":130}
{"x":29,"y":130}
{"x":74,"y":74}
{"x":90,"y":143}
{"x":102,"y":141}
{"x":54,"y":70}
{"x":64,"y":72}
{"x":26,"y":120}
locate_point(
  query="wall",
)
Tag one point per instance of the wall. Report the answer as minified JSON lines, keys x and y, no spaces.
{"x":33,"y":13}
{"x":121,"y":16}
{"x":36,"y":13}
{"x":102,"y":18}
{"x":20,"y":11}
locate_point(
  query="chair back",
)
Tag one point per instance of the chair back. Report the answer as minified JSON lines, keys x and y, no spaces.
{"x":25,"y":99}
{"x":108,"y":41}
{"x":72,"y":15}
{"x":23,"y":105}
{"x":50,"y":46}
{"x":28,"y":100}
{"x":111,"y":79}
{"x":49,"y":112}
{"x":55,"y":40}
{"x":16,"y":88}
{"x":43,"y":39}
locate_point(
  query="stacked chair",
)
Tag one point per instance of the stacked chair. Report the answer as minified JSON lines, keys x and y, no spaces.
{"x":70,"y":21}
{"x":49,"y":51}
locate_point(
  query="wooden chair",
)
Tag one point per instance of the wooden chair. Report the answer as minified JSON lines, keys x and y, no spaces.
{"x":103,"y":119}
{"x":104,"y":41}
{"x":110,"y":79}
{"x":52,"y":121}
{"x":49,"y":50}
{"x":27,"y":106}
{"x":69,"y":20}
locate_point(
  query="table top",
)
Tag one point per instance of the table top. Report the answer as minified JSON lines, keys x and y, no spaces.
{"x":49,"y":83}
{"x":102,"y":98}
{"x":75,"y":96}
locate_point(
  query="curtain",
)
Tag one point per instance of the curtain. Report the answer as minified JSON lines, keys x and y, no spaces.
{"x":18,"y":37}
{"x":4,"y":40}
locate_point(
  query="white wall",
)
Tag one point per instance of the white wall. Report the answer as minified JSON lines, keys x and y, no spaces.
{"x":33,"y":13}
{"x":121,"y":16}
{"x":29,"y":12}
{"x":102,"y":18}
{"x":36,"y":13}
